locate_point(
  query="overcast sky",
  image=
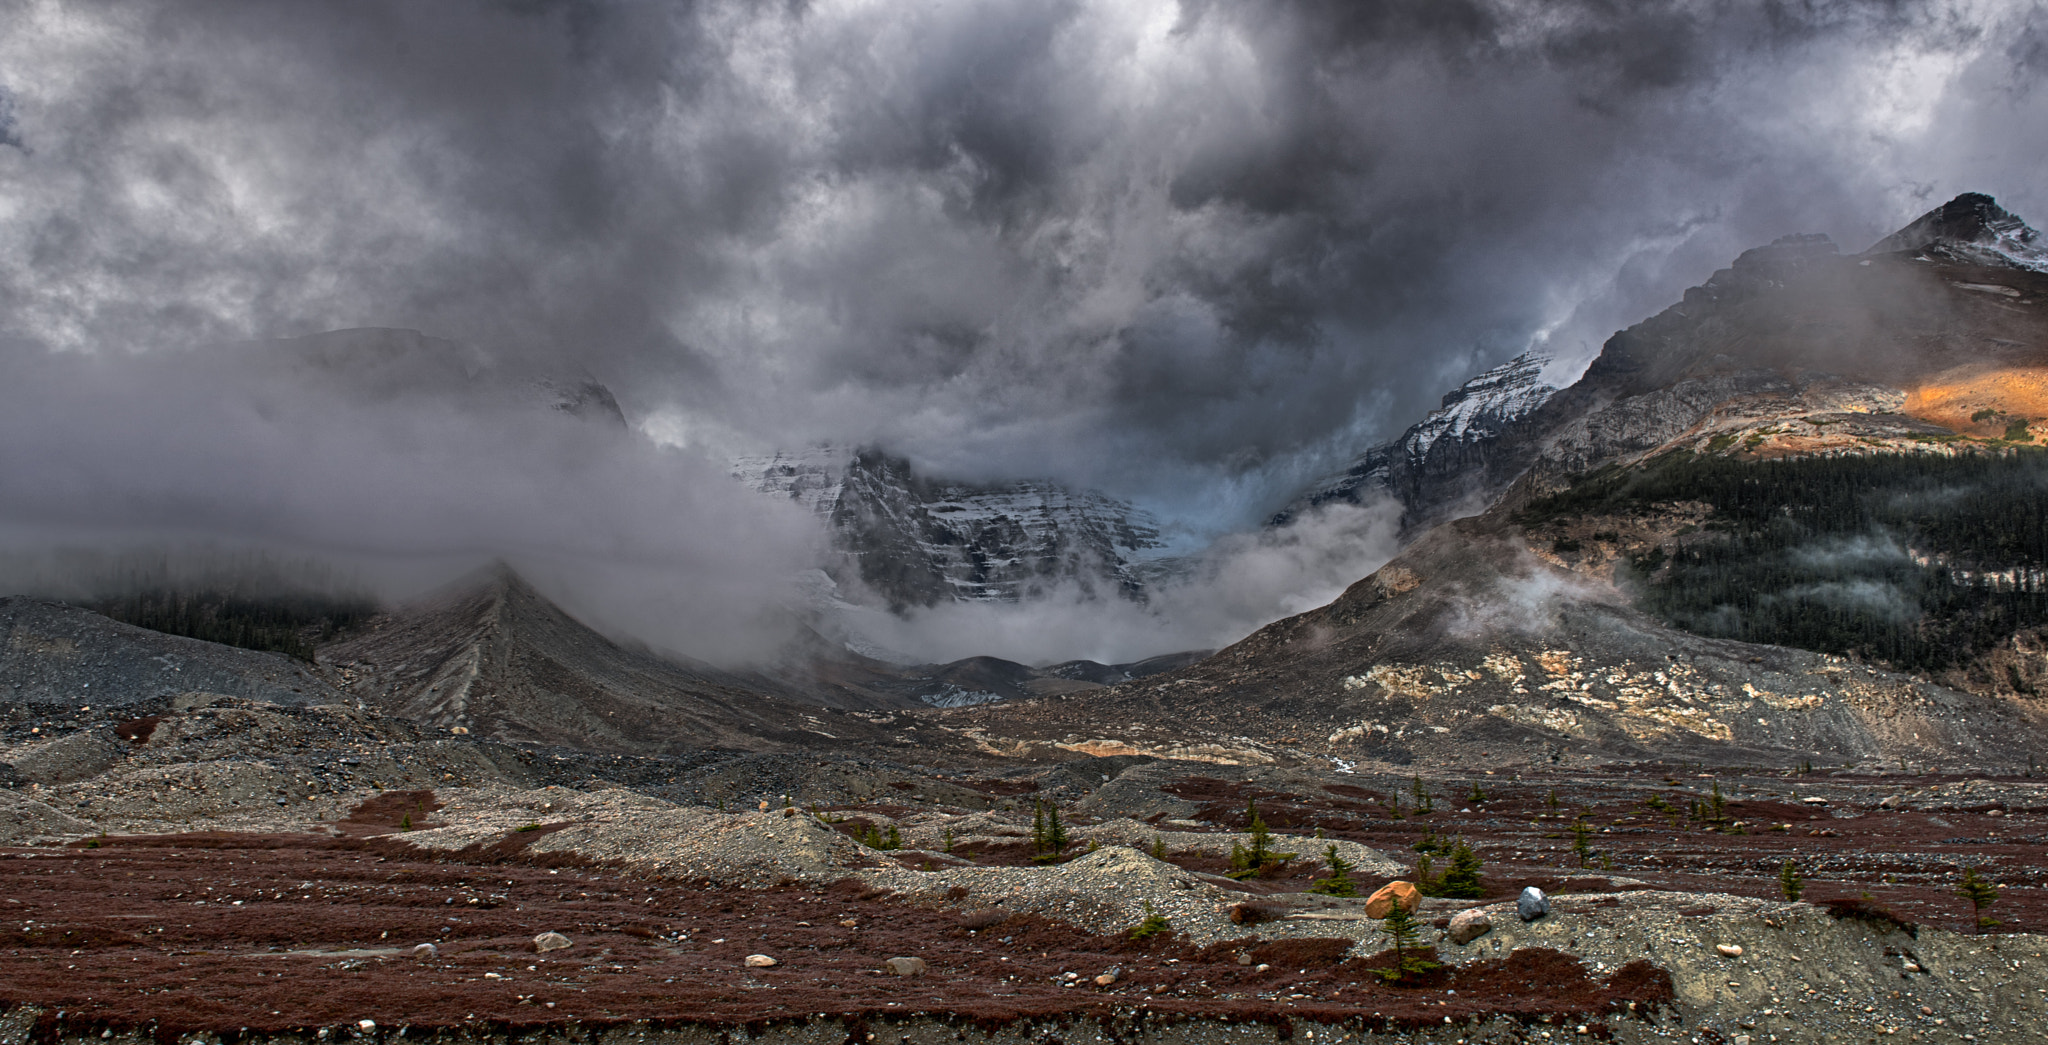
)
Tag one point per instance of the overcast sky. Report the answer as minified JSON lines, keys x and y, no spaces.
{"x":1191,"y":253}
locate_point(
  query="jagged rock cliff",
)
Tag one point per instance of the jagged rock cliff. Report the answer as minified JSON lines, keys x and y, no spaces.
{"x":918,"y":541}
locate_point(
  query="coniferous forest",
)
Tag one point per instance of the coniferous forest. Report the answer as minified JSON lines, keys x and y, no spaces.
{"x":1918,"y":561}
{"x":287,"y":624}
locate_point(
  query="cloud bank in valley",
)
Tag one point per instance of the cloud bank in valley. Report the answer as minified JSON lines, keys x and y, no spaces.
{"x":1191,"y":253}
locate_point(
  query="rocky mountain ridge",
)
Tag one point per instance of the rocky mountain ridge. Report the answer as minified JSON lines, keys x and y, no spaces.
{"x":910,"y":540}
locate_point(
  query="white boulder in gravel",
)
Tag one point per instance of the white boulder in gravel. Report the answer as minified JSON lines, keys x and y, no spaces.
{"x":761,"y":961}
{"x":906,"y":966}
{"x":1469,"y":925}
{"x":550,"y":941}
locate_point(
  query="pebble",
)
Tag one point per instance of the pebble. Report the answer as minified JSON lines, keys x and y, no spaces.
{"x":1729,"y":950}
{"x":1532,"y":904}
{"x":551,"y":941}
{"x":427,"y":950}
{"x":906,"y":966}
{"x":1105,"y":979}
{"x":367,"y":1025}
{"x":1381,"y":903}
{"x":761,"y":961}
{"x":1469,"y":925}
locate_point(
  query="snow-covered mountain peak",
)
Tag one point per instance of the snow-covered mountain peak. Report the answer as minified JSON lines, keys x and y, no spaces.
{"x":1971,"y":228}
{"x":1479,"y":406}
{"x":1473,"y":416}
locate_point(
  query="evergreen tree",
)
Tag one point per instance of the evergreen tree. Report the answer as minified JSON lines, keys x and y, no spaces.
{"x":1981,"y":894}
{"x":1461,"y":879}
{"x":1790,"y":881}
{"x":1405,"y":934}
{"x":1339,"y":882}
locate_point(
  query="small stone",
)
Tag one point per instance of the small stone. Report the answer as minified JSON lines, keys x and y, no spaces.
{"x":849,"y":924}
{"x":1742,"y":1039}
{"x":425,"y":950}
{"x":1729,"y":950}
{"x":551,"y":941}
{"x":1105,"y":979}
{"x":1532,"y":904}
{"x":906,"y":966}
{"x":1381,"y":903}
{"x":760,"y":961}
{"x":1244,"y":959}
{"x":366,"y":1026}
{"x":1926,"y":1010}
{"x":1262,"y":967}
{"x":1469,"y":925}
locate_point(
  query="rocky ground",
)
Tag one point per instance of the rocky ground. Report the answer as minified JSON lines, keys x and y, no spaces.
{"x":157,"y":884}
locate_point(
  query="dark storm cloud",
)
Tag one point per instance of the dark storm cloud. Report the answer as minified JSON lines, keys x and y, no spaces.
{"x":1190,"y":252}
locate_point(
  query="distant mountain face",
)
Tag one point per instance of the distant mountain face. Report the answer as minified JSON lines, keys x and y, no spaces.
{"x":1442,"y":459}
{"x":1797,"y":516}
{"x":917,"y":541}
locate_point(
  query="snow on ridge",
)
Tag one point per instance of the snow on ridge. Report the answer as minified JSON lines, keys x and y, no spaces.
{"x":812,"y":477}
{"x":960,"y":541}
{"x":1502,"y":394}
{"x":1971,"y":228}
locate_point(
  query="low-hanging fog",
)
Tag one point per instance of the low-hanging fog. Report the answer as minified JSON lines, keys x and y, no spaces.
{"x":1192,"y":254}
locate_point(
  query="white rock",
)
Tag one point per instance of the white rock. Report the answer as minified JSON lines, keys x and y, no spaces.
{"x":367,"y":1025}
{"x":425,"y":950}
{"x":551,"y":941}
{"x":761,"y":961}
{"x":1469,"y":925}
{"x":906,"y":966}
{"x":1729,"y":950}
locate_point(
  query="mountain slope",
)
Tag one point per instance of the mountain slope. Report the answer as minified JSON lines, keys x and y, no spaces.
{"x":493,"y":657}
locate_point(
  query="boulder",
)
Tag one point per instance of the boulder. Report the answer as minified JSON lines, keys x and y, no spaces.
{"x":425,"y":950}
{"x":1532,"y":904}
{"x":1469,"y":925}
{"x":550,"y":941}
{"x":906,"y":966}
{"x":1381,"y":903}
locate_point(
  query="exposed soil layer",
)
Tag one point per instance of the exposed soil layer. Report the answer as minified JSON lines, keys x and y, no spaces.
{"x":274,"y":932}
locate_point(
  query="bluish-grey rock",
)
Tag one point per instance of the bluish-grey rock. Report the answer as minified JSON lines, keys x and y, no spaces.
{"x":1532,"y":904}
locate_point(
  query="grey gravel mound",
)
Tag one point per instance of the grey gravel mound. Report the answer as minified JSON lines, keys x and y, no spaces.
{"x":58,"y":657}
{"x":25,"y":821}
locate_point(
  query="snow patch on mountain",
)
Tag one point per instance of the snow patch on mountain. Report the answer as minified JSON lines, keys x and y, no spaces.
{"x":1473,"y":414}
{"x":919,"y":541}
{"x":1480,"y":406}
{"x":1971,"y":228}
